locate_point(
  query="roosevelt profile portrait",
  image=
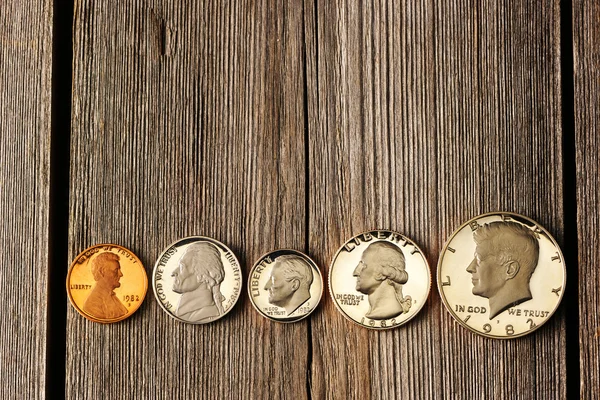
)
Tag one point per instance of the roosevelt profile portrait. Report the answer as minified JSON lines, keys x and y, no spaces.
{"x":102,"y":301}
{"x":380,"y":275}
{"x":289,"y":283}
{"x":506,"y":256}
{"x":198,"y":279}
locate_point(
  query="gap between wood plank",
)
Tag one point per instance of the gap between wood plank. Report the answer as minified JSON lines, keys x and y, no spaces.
{"x":309,"y":358}
{"x":570,"y":246}
{"x":62,"y":55}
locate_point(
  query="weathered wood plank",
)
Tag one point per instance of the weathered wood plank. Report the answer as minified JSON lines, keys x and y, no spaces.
{"x":25,"y":123}
{"x":188,"y":119}
{"x":421,"y":116}
{"x":372,"y":166}
{"x":586,"y":65}
{"x":500,"y":149}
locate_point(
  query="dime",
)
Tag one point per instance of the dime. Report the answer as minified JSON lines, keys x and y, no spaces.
{"x":501,"y":275}
{"x":379,"y":279}
{"x":197,"y":280}
{"x":285,"y":285}
{"x":106,"y":283}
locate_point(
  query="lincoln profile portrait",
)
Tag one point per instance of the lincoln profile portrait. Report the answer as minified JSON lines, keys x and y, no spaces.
{"x":102,"y":301}
{"x":380,"y":274}
{"x":198,"y":279}
{"x":289,"y":284}
{"x":506,"y":256}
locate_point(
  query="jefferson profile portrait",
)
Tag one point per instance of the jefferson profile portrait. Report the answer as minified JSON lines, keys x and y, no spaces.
{"x":289,"y":283}
{"x":380,"y":275}
{"x":506,"y":256}
{"x":198,"y":279}
{"x":102,"y":301}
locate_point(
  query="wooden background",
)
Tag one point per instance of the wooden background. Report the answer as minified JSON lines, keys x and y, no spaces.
{"x":269,"y":124}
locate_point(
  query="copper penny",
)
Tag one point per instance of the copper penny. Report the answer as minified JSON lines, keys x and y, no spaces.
{"x":106,"y":283}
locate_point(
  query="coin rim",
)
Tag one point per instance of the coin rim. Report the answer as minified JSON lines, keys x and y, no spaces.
{"x":443,"y":297}
{"x":373,"y":327}
{"x":196,"y":238}
{"x":297,"y":252}
{"x":113,"y":320}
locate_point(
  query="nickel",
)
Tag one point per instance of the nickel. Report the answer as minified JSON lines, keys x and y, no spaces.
{"x":197,"y":280}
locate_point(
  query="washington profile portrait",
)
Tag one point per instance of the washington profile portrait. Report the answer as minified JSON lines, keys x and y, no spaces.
{"x":380,"y":275}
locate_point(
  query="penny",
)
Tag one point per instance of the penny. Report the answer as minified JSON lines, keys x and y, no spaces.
{"x":501,"y":275}
{"x":106,"y":283}
{"x":285,"y":285}
{"x":379,"y":279}
{"x":197,"y":280}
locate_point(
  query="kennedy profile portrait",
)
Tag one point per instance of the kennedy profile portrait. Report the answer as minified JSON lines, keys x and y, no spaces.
{"x":198,"y":279}
{"x":289,"y":283}
{"x":506,"y":256}
{"x":380,"y":275}
{"x":102,"y":301}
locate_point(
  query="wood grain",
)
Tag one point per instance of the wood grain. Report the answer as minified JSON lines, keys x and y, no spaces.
{"x":422,"y":115}
{"x":25,"y":98}
{"x":586,"y":65}
{"x":188,"y":119}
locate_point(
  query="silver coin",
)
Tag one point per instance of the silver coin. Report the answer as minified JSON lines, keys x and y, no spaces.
{"x":285,"y":285}
{"x":501,"y":275}
{"x":197,"y":280}
{"x":379,"y":279}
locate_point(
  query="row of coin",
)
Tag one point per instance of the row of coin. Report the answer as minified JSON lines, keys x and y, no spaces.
{"x":500,"y":275}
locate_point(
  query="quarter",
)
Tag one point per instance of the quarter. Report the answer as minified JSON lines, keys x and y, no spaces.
{"x":379,"y":279}
{"x":106,"y":283}
{"x":197,"y":280}
{"x":501,"y":275}
{"x":285,"y":285}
